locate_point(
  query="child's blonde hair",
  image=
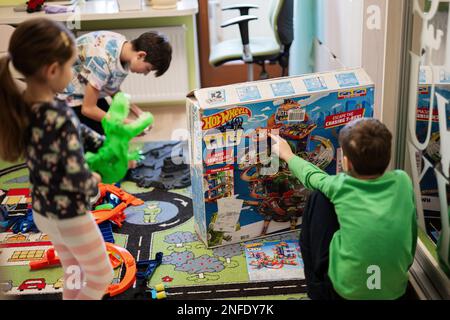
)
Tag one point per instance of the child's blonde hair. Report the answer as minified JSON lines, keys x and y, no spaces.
{"x":34,"y":44}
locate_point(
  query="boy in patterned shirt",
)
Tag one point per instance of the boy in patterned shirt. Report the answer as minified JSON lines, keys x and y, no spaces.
{"x":104,"y":61}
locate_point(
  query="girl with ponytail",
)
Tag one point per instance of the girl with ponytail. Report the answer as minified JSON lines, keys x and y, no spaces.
{"x":44,"y":131}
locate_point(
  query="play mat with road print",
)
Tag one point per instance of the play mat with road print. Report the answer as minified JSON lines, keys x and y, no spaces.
{"x":164,"y":223}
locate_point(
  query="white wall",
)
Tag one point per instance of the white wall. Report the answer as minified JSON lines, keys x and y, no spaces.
{"x":339,"y":28}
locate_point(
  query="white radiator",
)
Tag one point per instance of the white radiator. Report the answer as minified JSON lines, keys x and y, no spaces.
{"x":172,"y":85}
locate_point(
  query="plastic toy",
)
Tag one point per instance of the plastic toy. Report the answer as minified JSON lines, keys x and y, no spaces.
{"x":158,"y":292}
{"x":117,"y":256}
{"x":111,"y":160}
{"x":159,"y":171}
{"x":115,"y":215}
{"x":130,"y":273}
{"x":106,"y":230}
{"x":34,"y":5}
{"x":117,"y":201}
{"x":25,"y":224}
{"x":123,"y":196}
{"x":49,"y":260}
{"x":150,"y":266}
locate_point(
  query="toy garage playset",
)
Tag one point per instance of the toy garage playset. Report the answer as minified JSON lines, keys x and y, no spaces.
{"x":240,"y":192}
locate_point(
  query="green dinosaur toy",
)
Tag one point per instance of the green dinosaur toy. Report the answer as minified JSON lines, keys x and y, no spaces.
{"x":111,"y":160}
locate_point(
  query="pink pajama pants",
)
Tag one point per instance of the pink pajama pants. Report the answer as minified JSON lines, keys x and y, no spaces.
{"x":82,"y":251}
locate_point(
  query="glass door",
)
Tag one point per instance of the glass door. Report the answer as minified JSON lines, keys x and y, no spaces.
{"x":425,"y":117}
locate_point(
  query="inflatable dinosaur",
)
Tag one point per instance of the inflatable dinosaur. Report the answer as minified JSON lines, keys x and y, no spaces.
{"x":111,"y":160}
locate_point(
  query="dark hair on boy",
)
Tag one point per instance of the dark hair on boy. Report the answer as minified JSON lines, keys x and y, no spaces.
{"x":158,"y":49}
{"x":34,"y":44}
{"x":367,"y":144}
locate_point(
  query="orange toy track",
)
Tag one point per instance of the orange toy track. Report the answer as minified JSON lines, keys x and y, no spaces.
{"x":126,"y":258}
{"x":122,"y":195}
{"x":130,"y":273}
{"x":116,"y":214}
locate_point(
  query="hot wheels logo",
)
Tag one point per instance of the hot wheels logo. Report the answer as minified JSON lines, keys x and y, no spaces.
{"x":218,"y":119}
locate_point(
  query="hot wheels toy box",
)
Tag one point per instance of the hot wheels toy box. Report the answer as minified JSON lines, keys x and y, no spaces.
{"x":240,"y":190}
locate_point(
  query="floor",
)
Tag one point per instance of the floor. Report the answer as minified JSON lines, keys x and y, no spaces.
{"x":170,"y":121}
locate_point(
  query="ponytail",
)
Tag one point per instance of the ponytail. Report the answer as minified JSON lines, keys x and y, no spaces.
{"x":34,"y":43}
{"x":14,"y":115}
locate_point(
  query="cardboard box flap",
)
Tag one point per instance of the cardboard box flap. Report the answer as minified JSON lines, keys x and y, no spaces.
{"x":248,"y":92}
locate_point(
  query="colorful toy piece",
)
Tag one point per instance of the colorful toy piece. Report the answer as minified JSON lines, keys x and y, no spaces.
{"x":111,"y":160}
{"x":117,"y":256}
{"x":130,"y":273}
{"x":158,"y":292}
{"x":116,"y":214}
{"x":119,"y":193}
{"x":150,"y":266}
{"x":25,"y":224}
{"x":49,"y":260}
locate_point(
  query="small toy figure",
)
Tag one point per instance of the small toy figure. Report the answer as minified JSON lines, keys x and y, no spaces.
{"x":111,"y":160}
{"x":34,"y":5}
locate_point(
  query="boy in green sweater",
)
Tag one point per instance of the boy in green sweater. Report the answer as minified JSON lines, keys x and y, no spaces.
{"x":362,"y":244}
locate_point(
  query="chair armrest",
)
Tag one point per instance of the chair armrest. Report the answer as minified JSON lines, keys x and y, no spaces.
{"x":242,"y":21}
{"x":243,"y":8}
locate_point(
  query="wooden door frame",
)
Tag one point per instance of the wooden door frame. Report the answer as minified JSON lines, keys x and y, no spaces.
{"x":227,"y":73}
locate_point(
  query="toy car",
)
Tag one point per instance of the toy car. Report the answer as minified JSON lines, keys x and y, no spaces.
{"x":32,"y":284}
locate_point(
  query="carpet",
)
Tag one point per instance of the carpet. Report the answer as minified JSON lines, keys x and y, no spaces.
{"x":163,"y":224}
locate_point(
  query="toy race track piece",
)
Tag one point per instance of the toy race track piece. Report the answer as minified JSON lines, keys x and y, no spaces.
{"x":157,"y":152}
{"x":106,"y":230}
{"x":50,"y":260}
{"x":129,"y":199}
{"x":150,"y":266}
{"x":164,"y":150}
{"x":116,"y":215}
{"x":24,"y":224}
{"x":111,"y":160}
{"x":156,"y":293}
{"x":130,"y":272}
{"x":163,"y":168}
{"x":105,"y":206}
{"x":115,"y":262}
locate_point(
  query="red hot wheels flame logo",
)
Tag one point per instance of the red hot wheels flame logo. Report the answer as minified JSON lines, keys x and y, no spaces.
{"x":218,"y":119}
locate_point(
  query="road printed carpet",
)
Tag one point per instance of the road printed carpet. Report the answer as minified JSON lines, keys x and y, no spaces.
{"x":163,"y":224}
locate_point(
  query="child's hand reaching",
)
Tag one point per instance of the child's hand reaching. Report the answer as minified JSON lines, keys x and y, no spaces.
{"x":282,"y":148}
{"x":132,"y":164}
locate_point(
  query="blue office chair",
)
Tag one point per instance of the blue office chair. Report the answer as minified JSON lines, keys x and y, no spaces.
{"x":273,"y":48}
